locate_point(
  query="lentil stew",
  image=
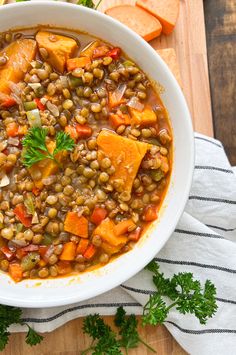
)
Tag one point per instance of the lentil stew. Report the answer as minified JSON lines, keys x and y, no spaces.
{"x":85,"y":153}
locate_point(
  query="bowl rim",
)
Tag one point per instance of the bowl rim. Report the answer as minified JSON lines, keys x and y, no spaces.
{"x":134,"y":269}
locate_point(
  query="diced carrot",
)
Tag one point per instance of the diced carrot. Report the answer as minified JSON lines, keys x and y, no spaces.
{"x":16,"y":272}
{"x":8,"y":102}
{"x":110,"y":249}
{"x":12,"y":129}
{"x":124,"y":227}
{"x":113,"y":102}
{"x":82,"y":246}
{"x":90,"y":252}
{"x":77,"y":225}
{"x":68,"y":252}
{"x":21,"y":213}
{"x":39,"y":104}
{"x":42,"y":263}
{"x":140,"y":21}
{"x":64,"y":267}
{"x":71,"y":130}
{"x":135,"y":235}
{"x":145,"y":118}
{"x":83,"y":131}
{"x":119,"y":119}
{"x":114,"y":53}
{"x":43,"y":250}
{"x":166,"y":11}
{"x":98,"y":215}
{"x":20,"y":253}
{"x":75,"y":63}
{"x":9,"y":254}
{"x":100,"y":52}
{"x":150,"y":213}
{"x":106,"y":231}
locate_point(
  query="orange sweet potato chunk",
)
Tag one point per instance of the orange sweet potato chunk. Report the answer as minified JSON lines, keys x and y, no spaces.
{"x":59,"y":48}
{"x":19,"y":53}
{"x":106,"y":231}
{"x":77,"y":225}
{"x":166,"y":11}
{"x":125,"y":154}
{"x":140,"y":21}
{"x":145,"y":118}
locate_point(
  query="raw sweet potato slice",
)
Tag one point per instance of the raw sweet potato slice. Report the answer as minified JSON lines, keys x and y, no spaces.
{"x":19,"y":53}
{"x":169,"y":56}
{"x":145,"y":118}
{"x":166,"y":11}
{"x":140,"y":21}
{"x":59,"y":48}
{"x":106,"y":231}
{"x":125,"y":154}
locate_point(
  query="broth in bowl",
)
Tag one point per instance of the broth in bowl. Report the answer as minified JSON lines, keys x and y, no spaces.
{"x":85,"y":153}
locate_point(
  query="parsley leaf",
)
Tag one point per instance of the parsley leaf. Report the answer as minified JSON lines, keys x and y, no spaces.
{"x":35,"y":148}
{"x":32,"y":338}
{"x":89,"y":3}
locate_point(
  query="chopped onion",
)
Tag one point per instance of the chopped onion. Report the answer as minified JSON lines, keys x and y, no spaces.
{"x":35,"y":86}
{"x":49,"y":180}
{"x":13,"y":141}
{"x":136,"y":104}
{"x":119,"y":92}
{"x":4,"y":181}
{"x":34,"y":118}
{"x":18,"y":242}
{"x":35,"y":218}
{"x":13,"y":150}
{"x":49,"y":252}
{"x":3,"y":145}
{"x":64,"y":81}
{"x":53,"y":109}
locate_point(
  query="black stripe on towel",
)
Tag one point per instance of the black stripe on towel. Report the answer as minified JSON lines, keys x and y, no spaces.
{"x":198,"y":234}
{"x":84,"y":306}
{"x":221,"y":228}
{"x":204,"y":331}
{"x":209,"y":141}
{"x":206,"y":167}
{"x":191,"y":263}
{"x":211,"y":199}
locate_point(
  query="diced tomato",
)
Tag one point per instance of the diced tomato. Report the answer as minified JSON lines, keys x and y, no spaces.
{"x":39,"y":104}
{"x":100,"y":52}
{"x":16,"y":272}
{"x":12,"y":129}
{"x":98,"y":215}
{"x":8,"y":102}
{"x":82,"y":246}
{"x":135,"y":235}
{"x":9,"y":254}
{"x":83,"y":131}
{"x":21,"y":212}
{"x":71,"y":130}
{"x":90,"y":252}
{"x":150,"y":213}
{"x":114,"y":53}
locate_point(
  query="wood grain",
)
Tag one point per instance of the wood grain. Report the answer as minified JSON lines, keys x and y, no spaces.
{"x":221,"y":39}
{"x":188,"y":40}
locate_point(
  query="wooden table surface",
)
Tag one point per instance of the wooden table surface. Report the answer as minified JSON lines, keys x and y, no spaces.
{"x":189,"y":42}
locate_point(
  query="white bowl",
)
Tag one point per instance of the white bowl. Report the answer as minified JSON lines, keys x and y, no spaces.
{"x":67,"y":290}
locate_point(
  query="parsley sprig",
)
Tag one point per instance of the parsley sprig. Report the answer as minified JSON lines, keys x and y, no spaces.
{"x":35,"y":147}
{"x":12,"y":315}
{"x":186,"y":294}
{"x":89,"y":3}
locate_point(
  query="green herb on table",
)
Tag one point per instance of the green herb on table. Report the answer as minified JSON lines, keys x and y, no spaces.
{"x":89,"y":3}
{"x":35,"y":148}
{"x":186,"y":294}
{"x":12,"y":315}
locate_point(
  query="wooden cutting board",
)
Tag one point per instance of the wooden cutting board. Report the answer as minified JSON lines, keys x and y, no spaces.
{"x":189,"y":42}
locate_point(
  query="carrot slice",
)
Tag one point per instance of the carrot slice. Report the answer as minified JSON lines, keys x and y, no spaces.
{"x":75,"y":63}
{"x":138,"y":20}
{"x":75,"y":224}
{"x":68,"y":252}
{"x":166,"y":11}
{"x":16,"y":272}
{"x":116,"y":120}
{"x":113,"y":102}
{"x":98,"y":215}
{"x":90,"y":252}
{"x":124,"y":227}
{"x":82,"y":246}
{"x":150,"y":213}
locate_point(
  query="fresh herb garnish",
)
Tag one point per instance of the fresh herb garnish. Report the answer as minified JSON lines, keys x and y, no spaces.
{"x":89,"y":3}
{"x":186,"y":294}
{"x":35,"y":148}
{"x":12,"y":315}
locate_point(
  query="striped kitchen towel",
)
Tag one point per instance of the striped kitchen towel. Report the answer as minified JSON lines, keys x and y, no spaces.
{"x":203,"y":243}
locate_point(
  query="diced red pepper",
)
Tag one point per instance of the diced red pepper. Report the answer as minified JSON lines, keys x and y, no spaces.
{"x":9,"y":254}
{"x":90,"y":252}
{"x":42,"y":250}
{"x":150,"y":213}
{"x":39,"y":104}
{"x":21,"y":212}
{"x":83,"y":131}
{"x":114,"y":53}
{"x":98,"y":215}
{"x":8,"y":102}
{"x":20,"y":253}
{"x":46,"y":251}
{"x":135,"y":235}
{"x":71,"y":130}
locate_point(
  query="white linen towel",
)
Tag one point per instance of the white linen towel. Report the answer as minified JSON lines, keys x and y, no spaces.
{"x":203,"y":243}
